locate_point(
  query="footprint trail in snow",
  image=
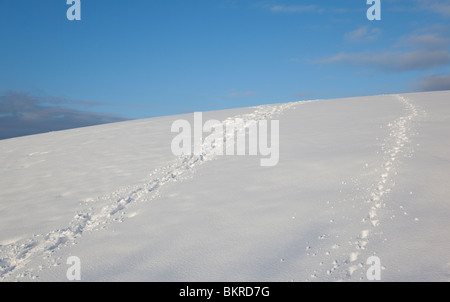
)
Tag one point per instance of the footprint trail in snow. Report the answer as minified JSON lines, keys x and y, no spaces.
{"x":346,"y":260}
{"x":343,"y":259}
{"x":111,"y":208}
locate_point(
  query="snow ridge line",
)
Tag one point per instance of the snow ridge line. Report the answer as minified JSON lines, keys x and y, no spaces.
{"x":397,"y":144}
{"x":111,"y":208}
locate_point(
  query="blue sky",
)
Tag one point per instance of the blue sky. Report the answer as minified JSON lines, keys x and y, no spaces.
{"x":145,"y":58}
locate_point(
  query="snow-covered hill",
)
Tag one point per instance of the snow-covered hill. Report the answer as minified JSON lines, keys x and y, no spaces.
{"x":356,"y":178}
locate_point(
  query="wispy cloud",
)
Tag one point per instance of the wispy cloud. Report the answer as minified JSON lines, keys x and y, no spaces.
{"x":363,"y":34}
{"x":23,"y":114}
{"x":421,"y":50}
{"x":433,"y":82}
{"x":441,"y":7}
{"x":426,"y":41}
{"x":394,"y":61}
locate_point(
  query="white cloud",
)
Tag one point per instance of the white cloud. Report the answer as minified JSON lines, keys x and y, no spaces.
{"x":363,"y":34}
{"x":394,"y":61}
{"x":426,"y":40}
{"x":421,"y":50}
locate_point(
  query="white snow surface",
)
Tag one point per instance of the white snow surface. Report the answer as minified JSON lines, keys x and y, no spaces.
{"x":357,"y":177}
